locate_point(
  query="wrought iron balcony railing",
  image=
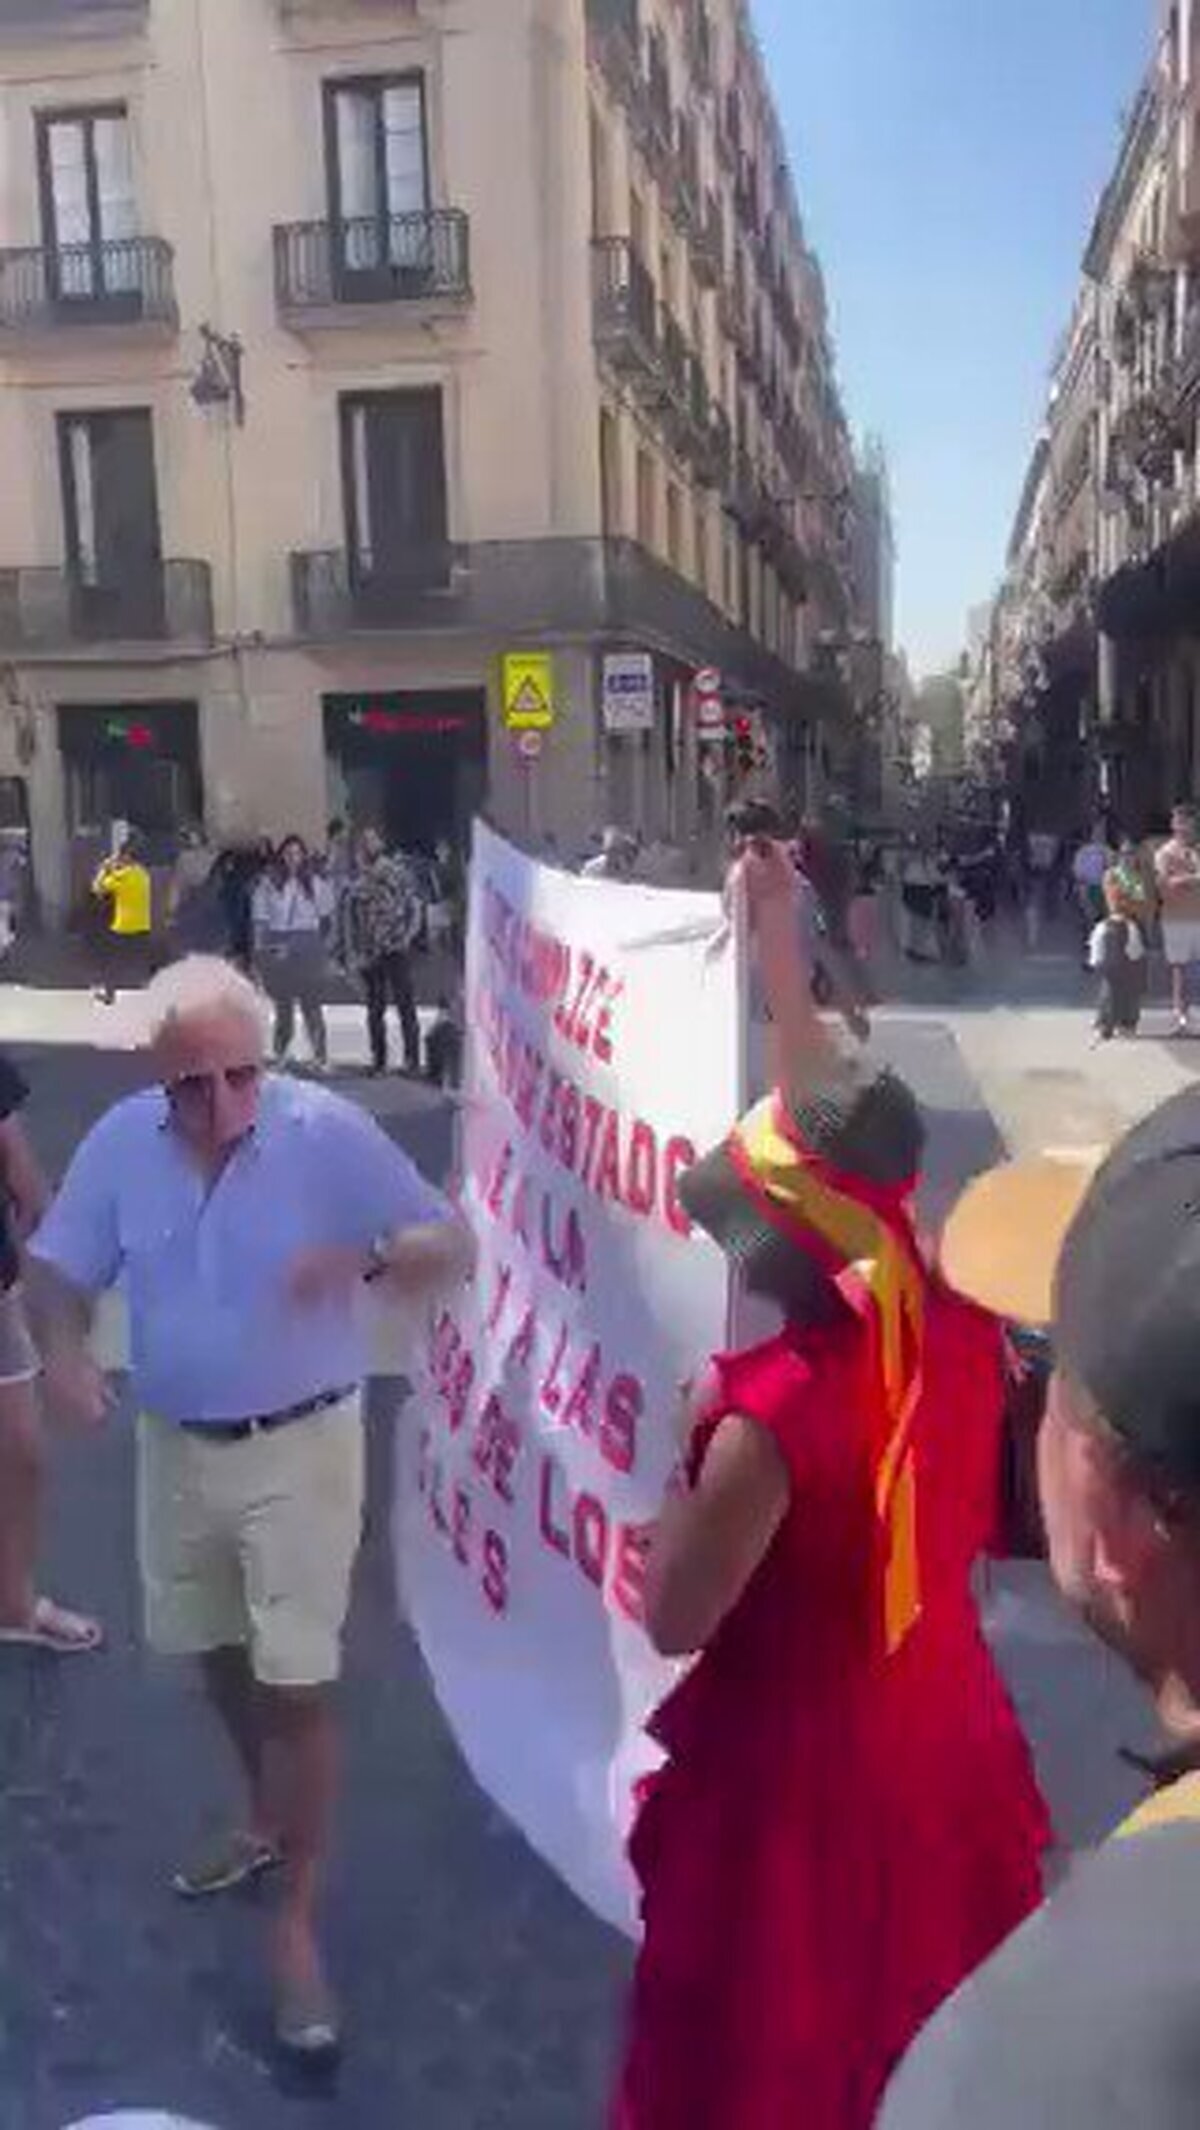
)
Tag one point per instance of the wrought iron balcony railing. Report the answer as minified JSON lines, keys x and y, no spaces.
{"x":56,"y":608}
{"x":422,"y":257}
{"x":512,"y":590}
{"x":118,"y":281}
{"x":333,"y":592}
{"x":625,"y":309}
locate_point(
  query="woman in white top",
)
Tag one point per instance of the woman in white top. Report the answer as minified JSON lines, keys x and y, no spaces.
{"x":293,"y":909}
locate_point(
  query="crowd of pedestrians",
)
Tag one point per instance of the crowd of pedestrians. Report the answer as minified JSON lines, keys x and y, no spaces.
{"x":841,"y":1855}
{"x":296,"y":919}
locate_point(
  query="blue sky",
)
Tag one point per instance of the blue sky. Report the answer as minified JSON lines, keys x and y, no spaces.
{"x":948,"y":156}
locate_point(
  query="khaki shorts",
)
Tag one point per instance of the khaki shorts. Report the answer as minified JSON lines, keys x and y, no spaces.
{"x":252,"y":1544}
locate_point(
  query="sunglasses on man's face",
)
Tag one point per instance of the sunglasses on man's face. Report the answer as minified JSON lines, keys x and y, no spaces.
{"x":198,"y":1090}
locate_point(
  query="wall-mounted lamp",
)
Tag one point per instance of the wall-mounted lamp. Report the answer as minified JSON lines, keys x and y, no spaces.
{"x":218,"y":381}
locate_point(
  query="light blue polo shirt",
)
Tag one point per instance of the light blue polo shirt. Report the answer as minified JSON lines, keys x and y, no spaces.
{"x":214,"y":1333}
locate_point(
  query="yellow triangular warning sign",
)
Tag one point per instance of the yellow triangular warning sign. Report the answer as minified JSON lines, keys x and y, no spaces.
{"x":529,"y":700}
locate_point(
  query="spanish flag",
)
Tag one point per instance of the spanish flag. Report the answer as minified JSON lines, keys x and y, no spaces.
{"x":861,"y":1236}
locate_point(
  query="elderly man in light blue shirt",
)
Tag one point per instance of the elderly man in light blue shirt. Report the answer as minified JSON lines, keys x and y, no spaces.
{"x":245,"y":1218}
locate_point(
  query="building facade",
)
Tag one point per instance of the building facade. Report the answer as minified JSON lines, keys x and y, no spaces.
{"x":347,"y":351}
{"x":1098,"y":621}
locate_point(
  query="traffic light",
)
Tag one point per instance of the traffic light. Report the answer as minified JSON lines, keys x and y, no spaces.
{"x":745,"y":746}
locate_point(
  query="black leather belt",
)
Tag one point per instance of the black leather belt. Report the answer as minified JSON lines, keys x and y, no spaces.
{"x":265,"y":1423}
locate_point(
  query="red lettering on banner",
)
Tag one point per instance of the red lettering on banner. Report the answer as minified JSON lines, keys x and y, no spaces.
{"x":623,"y":1408}
{"x":461,"y":1533}
{"x":495,"y":1571}
{"x":602,"y":1041}
{"x":593,"y":1112}
{"x":521,"y":1352}
{"x":580,"y":1412}
{"x":611,"y":1556}
{"x":621,"y":1163}
{"x":551,"y":1386}
{"x":494,"y":1197}
{"x":680,"y":1156}
{"x":497,"y":1446}
{"x":566,"y":1262}
{"x":607,"y":1180}
{"x":568,"y":1126}
{"x":566,"y":1022}
{"x":553,"y":1534}
{"x":590,"y":1530}
{"x":628,"y":1589}
{"x":550,"y":1112}
{"x":641,"y":1175}
{"x":504,"y":1279}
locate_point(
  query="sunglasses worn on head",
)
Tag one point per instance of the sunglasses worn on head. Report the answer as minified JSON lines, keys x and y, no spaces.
{"x":195,"y":1090}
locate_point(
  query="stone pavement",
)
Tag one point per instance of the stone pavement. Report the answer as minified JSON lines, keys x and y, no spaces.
{"x":480,"y":1997}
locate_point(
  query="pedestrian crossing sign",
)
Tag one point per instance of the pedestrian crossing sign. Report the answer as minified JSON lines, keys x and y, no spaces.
{"x":529,"y":704}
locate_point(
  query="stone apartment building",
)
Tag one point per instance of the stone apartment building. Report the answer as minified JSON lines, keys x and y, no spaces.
{"x":350,"y":349}
{"x":1100,"y":608}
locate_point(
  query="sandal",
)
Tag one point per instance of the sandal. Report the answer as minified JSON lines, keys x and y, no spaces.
{"x":52,"y":1627}
{"x":236,"y":1861}
{"x":306,"y":2019}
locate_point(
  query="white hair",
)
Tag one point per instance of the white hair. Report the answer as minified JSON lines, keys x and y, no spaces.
{"x":198,"y":985}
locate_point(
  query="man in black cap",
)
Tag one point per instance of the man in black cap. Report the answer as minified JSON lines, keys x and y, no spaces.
{"x":1090,"y":2015}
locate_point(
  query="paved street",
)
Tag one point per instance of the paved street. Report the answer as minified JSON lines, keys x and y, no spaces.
{"x":480,"y":1997}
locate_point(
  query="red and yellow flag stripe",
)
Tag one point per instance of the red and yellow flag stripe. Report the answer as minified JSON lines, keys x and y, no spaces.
{"x":867,"y":1245}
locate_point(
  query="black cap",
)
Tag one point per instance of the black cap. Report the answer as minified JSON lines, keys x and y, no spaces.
{"x":1127,"y":1292}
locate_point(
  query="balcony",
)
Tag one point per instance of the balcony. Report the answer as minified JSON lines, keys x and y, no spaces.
{"x":685,"y":193}
{"x":56,"y":609}
{"x":334,"y":594}
{"x":615,"y":43}
{"x":698,"y":44}
{"x":708,"y":249}
{"x":729,"y":132}
{"x":748,"y":503}
{"x":745,"y":194}
{"x":44,"y":20}
{"x":625,"y":311}
{"x":527,"y":590}
{"x":325,"y":268}
{"x":125,"y":281}
{"x":655,"y":126}
{"x":713,"y":454}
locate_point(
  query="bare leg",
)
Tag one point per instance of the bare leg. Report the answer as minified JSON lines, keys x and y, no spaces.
{"x":21,"y":1479}
{"x":236,"y":1696}
{"x":301,"y":1765}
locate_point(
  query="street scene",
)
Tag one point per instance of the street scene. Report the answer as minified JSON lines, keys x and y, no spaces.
{"x":599,"y":1058}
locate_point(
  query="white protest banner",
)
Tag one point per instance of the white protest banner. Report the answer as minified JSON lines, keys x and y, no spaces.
{"x":602,"y":1054}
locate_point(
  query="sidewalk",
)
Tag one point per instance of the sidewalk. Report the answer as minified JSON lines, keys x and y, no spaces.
{"x":1024,"y":1026}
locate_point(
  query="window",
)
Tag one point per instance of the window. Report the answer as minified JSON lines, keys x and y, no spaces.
{"x":701,"y":539}
{"x":394,"y":477}
{"x":89,"y":216}
{"x":647,"y":512}
{"x":378,"y":167}
{"x":674,"y":526}
{"x":610,"y":473}
{"x":110,"y":517}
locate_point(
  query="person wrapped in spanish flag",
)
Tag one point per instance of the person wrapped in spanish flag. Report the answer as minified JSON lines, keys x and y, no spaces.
{"x":847,"y":1822}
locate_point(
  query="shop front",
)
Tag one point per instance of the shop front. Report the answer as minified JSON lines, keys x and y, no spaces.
{"x":412,"y":763}
{"x":136,"y":764}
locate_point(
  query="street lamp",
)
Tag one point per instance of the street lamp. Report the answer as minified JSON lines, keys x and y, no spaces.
{"x":218,"y":381}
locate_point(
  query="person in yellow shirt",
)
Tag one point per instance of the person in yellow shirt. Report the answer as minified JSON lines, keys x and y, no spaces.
{"x":123,"y":886}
